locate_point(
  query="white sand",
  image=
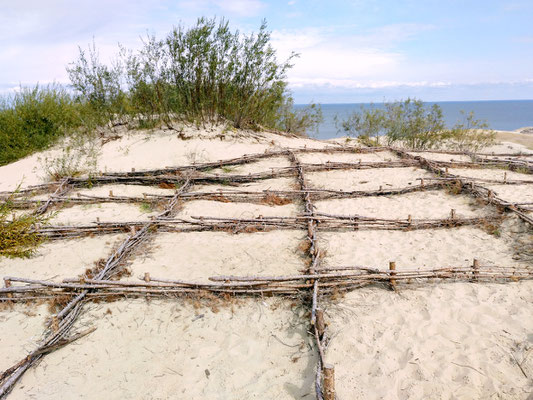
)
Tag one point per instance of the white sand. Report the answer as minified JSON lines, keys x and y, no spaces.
{"x":196,"y":256}
{"x":258,"y":186}
{"x":107,"y":212}
{"x":62,"y":258}
{"x":507,"y":147}
{"x":450,"y":341}
{"x":159,"y":149}
{"x":122,"y":190}
{"x":490,"y":173}
{"x":160,"y":350}
{"x":368,"y":179}
{"x":443,"y":157}
{"x":353,"y":157}
{"x":219,"y":209}
{"x":513,"y":193}
{"x":429,"y":204}
{"x":25,"y":326}
{"x":265,"y":165}
{"x":424,"y":249}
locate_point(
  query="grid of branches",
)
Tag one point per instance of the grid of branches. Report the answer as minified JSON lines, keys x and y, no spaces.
{"x":311,"y":286}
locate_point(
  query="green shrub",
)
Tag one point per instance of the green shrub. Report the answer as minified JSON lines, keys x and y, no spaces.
{"x":97,"y":85}
{"x":32,"y":119}
{"x":16,"y":236}
{"x":368,"y":125}
{"x":417,"y":126}
{"x":202,"y":74}
{"x":298,"y":120}
{"x":469,"y":134}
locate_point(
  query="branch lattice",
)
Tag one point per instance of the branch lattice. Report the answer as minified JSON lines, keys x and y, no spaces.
{"x":317,"y":280}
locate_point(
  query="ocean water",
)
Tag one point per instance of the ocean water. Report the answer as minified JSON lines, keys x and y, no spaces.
{"x":505,"y":115}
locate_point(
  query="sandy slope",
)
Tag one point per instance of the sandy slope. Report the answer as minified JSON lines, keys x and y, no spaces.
{"x":61,"y":258}
{"x":162,"y":350}
{"x":449,"y":341}
{"x":453,"y":341}
{"x":429,"y":204}
{"x":424,"y":249}
{"x":197,"y":256}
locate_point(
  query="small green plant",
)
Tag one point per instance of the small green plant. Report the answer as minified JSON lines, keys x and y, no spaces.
{"x":146,"y":207}
{"x":522,"y":170}
{"x":227,"y":169}
{"x":78,"y":156}
{"x":17,"y":237}
{"x":300,"y":121}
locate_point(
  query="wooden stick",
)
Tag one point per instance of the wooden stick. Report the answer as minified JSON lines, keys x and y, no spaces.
{"x":329,"y":382}
{"x":392,"y":269}
{"x":475,"y":270}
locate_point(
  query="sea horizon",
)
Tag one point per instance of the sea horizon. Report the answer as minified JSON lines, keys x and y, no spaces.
{"x":505,"y":115}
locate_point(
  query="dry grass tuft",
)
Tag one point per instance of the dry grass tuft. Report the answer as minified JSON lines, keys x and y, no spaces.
{"x":273,"y":200}
{"x":454,"y":188}
{"x":166,"y":185}
{"x":304,"y":246}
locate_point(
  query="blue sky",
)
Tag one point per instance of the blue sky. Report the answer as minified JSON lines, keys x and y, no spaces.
{"x":351,"y":51}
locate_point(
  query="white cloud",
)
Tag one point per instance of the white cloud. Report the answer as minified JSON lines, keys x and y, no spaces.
{"x":328,"y":54}
{"x":353,"y":84}
{"x":243,"y":8}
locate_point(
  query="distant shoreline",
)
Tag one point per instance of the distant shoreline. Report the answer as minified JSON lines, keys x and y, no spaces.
{"x":501,"y":115}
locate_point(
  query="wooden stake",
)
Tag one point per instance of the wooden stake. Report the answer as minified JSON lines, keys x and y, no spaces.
{"x":409,"y":219}
{"x":133,"y":170}
{"x":110,"y":193}
{"x":329,"y":382}
{"x":147,"y":276}
{"x":7,"y":283}
{"x":422,"y":182}
{"x":446,"y":170}
{"x":392,"y":269}
{"x":452,"y":214}
{"x":475,"y":270}
{"x":320,"y":323}
{"x":505,"y":177}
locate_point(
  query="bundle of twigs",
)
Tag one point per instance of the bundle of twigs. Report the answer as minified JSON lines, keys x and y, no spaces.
{"x":242,"y":196}
{"x":327,"y":278}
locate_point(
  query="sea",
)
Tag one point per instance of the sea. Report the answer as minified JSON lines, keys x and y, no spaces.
{"x":505,"y":115}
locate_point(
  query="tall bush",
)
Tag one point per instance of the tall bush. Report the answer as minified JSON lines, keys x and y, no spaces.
{"x":206,"y":73}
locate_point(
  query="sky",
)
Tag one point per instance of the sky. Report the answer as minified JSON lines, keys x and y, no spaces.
{"x":350,"y":51}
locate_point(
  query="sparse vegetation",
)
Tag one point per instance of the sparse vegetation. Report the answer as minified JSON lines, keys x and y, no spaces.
{"x":146,"y":207}
{"x":16,"y":236}
{"x":414,"y":125}
{"x":77,"y":156}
